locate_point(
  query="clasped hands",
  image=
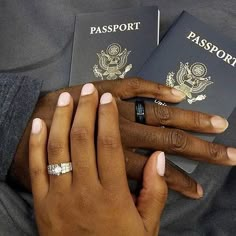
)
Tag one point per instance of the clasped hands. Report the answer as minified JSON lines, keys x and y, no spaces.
{"x":173,"y":139}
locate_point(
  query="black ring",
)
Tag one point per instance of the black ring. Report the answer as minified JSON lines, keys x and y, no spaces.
{"x":140,"y":112}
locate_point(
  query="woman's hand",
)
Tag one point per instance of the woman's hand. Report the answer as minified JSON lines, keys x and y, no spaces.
{"x":150,"y":135}
{"x":93,"y":199}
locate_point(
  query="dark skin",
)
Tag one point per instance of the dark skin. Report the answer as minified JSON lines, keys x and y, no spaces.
{"x":173,"y":139}
{"x":94,"y":198}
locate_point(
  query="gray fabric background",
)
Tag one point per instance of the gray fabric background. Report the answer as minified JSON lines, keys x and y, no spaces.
{"x":36,"y":36}
{"x":35,"y":39}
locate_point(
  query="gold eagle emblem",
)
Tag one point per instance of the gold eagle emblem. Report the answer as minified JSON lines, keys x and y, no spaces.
{"x":190,"y":80}
{"x":112,"y":63}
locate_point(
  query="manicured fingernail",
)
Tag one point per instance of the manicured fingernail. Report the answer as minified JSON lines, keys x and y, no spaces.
{"x":231,"y":154}
{"x":87,"y":89}
{"x":178,"y":93}
{"x":199,"y":190}
{"x":219,"y":123}
{"x":161,"y":164}
{"x":36,"y":126}
{"x":106,"y":98}
{"x":64,"y":99}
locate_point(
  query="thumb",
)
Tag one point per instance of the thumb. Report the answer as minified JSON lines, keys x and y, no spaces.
{"x":153,"y":195}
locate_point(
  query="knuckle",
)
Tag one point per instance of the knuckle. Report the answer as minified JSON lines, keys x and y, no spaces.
{"x":177,"y":140}
{"x":35,"y":172}
{"x":187,"y":183}
{"x":162,"y":196}
{"x":118,"y":81}
{"x":215,"y":151}
{"x":85,"y":197}
{"x":197,"y":120}
{"x":103,"y":113}
{"x":56,"y":147}
{"x":61,"y":202}
{"x":149,"y":137}
{"x":88,"y":101}
{"x":130,"y":85}
{"x":158,"y":194}
{"x":134,"y":83}
{"x":81,"y":167}
{"x":84,"y":192}
{"x":109,"y":142}
{"x":179,"y":181}
{"x":34,"y":143}
{"x":161,"y":192}
{"x":37,"y":142}
{"x":162,"y":113}
{"x":101,"y":87}
{"x":159,"y":89}
{"x":79,"y":134}
{"x":111,"y":196}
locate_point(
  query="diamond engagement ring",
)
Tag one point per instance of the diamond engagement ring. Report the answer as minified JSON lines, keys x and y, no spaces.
{"x":59,"y":169}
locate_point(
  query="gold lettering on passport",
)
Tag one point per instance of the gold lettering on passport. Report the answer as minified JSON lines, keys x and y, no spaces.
{"x":115,"y":28}
{"x":210,"y":47}
{"x":190,"y":80}
{"x":112,"y":63}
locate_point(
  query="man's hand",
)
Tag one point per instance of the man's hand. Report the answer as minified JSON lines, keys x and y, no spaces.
{"x":172,"y":139}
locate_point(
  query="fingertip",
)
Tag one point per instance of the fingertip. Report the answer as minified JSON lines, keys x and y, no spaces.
{"x":37,"y":157}
{"x":110,"y":156}
{"x":200,"y":191}
{"x":161,"y":163}
{"x":38,"y":134}
{"x":64,"y":99}
{"x":179,"y":95}
{"x":197,"y":194}
{"x":154,"y":170}
{"x":87,"y":89}
{"x":106,"y":98}
{"x":65,"y":102}
{"x":36,"y":126}
{"x":158,"y":163}
{"x":219,"y":123}
{"x":154,"y":192}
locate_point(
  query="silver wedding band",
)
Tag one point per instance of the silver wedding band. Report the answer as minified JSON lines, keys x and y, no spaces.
{"x":59,"y":169}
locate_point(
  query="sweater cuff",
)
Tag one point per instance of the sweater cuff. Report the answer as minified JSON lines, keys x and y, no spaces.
{"x":18,"y":97}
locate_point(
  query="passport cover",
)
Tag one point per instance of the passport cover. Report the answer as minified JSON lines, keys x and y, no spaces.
{"x":200,"y":62}
{"x":108,"y":45}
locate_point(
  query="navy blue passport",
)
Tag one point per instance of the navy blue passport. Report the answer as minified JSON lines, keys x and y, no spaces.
{"x":115,"y":44}
{"x":200,"y":62}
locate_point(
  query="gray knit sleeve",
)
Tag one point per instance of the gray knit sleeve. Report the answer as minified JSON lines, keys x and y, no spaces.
{"x":18,"y":97}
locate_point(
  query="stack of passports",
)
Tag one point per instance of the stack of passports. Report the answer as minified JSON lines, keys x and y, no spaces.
{"x":109,"y":45}
{"x":200,"y":62}
{"x":192,"y":57}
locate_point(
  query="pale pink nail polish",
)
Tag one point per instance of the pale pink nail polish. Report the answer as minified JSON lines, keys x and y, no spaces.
{"x":87,"y":89}
{"x":64,"y":99}
{"x":106,"y":98}
{"x":36,"y":126}
{"x":161,"y":164}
